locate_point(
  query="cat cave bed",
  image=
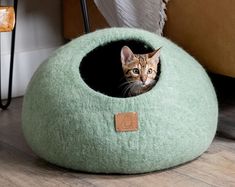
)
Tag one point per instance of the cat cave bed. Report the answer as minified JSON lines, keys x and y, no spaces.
{"x":73,"y":105}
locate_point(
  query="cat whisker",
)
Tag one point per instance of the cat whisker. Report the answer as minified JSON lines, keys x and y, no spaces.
{"x":129,"y":87}
{"x":126,"y":89}
{"x":133,"y":89}
{"x":127,"y":82}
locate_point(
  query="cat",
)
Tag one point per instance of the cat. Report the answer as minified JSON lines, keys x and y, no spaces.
{"x":140,"y":71}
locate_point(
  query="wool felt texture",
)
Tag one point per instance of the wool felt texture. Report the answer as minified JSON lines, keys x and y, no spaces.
{"x":68,"y":123}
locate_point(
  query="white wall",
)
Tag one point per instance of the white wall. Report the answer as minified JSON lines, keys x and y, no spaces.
{"x":39,"y":32}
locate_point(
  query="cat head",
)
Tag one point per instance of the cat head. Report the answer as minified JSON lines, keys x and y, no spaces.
{"x":140,"y":69}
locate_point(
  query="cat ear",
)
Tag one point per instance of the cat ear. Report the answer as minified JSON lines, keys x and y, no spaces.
{"x":126,"y":55}
{"x":155,"y":56}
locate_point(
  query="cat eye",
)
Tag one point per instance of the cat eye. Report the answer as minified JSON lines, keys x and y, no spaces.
{"x":135,"y":71}
{"x":150,"y":71}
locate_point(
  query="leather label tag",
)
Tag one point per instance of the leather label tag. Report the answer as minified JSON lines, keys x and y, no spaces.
{"x":126,"y":121}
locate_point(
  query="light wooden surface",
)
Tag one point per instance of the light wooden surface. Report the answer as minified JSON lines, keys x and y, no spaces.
{"x":20,"y":167}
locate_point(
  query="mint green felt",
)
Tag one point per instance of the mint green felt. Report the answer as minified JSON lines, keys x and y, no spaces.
{"x":69,"y":124}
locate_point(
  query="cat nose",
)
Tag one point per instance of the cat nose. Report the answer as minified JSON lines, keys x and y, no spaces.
{"x":143,"y":79}
{"x":143,"y":82}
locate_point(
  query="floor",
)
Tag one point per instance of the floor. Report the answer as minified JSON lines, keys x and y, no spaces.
{"x":20,"y":167}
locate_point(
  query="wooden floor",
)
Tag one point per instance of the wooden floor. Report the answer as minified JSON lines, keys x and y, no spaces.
{"x":20,"y":167}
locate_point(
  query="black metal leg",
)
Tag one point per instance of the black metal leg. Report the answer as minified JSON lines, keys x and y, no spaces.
{"x":85,"y":15}
{"x":8,"y":101}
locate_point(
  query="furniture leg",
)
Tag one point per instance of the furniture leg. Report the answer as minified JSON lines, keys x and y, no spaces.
{"x":5,"y":105}
{"x":85,"y":16}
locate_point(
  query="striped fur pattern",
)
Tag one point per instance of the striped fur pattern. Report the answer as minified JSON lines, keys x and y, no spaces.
{"x":140,"y":71}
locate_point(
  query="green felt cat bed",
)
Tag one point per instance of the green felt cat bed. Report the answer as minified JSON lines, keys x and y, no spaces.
{"x":71,"y":104}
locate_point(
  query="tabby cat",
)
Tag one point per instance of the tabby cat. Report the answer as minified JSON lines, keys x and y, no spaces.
{"x":140,"y":70}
